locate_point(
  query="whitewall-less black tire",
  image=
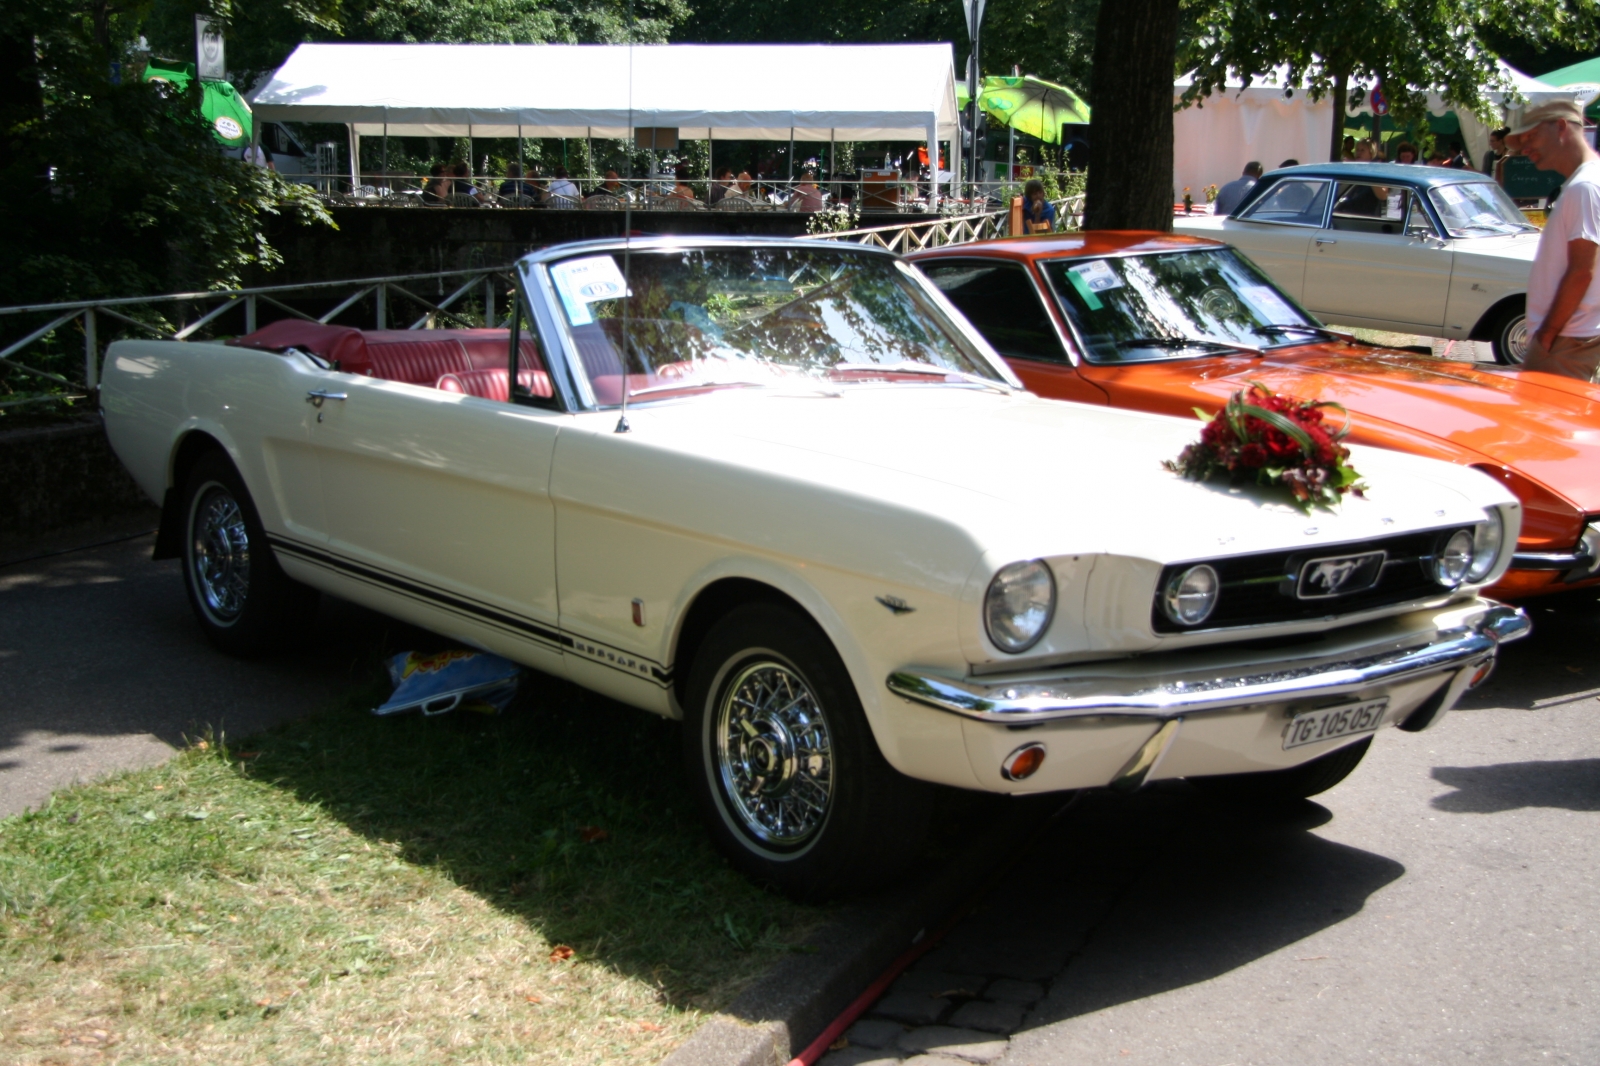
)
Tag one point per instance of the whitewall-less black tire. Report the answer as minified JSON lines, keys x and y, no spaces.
{"x":242,"y":599}
{"x":790,"y":781}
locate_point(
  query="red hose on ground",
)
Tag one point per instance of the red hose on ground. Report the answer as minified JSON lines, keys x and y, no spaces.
{"x":858,"y":1006}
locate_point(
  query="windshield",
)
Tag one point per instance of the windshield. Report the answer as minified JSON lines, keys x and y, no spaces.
{"x":1138,"y":309}
{"x":1478,"y":209}
{"x":689,"y":319}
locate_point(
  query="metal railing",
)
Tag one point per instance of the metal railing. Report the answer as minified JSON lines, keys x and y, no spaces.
{"x":387,"y":295}
{"x":950,"y":229}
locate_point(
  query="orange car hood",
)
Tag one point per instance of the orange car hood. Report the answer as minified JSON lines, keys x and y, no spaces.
{"x":1547,"y":428}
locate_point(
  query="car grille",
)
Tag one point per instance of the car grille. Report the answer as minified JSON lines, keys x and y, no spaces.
{"x":1261,"y":589}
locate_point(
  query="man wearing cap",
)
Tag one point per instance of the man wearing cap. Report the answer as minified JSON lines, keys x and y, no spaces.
{"x":1564,"y":287}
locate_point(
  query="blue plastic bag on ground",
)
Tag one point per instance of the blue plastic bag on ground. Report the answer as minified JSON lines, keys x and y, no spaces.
{"x":450,"y":680}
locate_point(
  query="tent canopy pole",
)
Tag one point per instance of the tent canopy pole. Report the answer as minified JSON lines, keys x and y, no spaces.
{"x":355,"y":156}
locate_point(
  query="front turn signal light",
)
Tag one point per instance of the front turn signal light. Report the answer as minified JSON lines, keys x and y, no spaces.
{"x":1023,"y":763}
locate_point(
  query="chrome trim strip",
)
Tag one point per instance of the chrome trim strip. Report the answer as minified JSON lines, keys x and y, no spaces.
{"x":1581,"y":562}
{"x":1175,"y":695}
{"x":1551,"y":560}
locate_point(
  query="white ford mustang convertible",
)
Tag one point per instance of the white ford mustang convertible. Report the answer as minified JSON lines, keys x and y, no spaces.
{"x":784,"y":492}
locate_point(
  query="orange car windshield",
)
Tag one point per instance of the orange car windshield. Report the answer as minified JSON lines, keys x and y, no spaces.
{"x":1174,"y":305}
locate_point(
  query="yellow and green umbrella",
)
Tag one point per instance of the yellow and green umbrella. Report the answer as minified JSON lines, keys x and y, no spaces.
{"x":1030,"y":105}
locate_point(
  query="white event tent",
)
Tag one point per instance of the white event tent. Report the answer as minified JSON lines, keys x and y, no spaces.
{"x":1212,"y":143}
{"x":813,"y":92}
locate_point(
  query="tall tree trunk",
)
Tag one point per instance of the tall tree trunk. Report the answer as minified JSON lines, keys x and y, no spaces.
{"x":1130,"y":127}
{"x":1341,"y":95}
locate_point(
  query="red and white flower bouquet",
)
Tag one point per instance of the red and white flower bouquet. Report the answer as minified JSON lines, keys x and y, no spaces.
{"x":1273,"y":440}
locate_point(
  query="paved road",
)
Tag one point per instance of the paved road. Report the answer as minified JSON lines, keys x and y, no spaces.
{"x":103,"y":668}
{"x":1439,"y":906}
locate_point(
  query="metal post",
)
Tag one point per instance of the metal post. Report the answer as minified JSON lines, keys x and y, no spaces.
{"x":387,"y":181}
{"x":355,"y":157}
{"x":249,"y":314}
{"x":488,"y":303}
{"x":91,"y":352}
{"x":791,"y":156}
{"x":833,"y":164}
{"x":383,"y":307}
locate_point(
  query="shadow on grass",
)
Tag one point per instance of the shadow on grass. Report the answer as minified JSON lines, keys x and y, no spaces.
{"x":570,"y":812}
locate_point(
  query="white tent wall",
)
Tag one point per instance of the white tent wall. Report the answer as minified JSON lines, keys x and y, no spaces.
{"x":727,"y":92}
{"x":1211,"y":144}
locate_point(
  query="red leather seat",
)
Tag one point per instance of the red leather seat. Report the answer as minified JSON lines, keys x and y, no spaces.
{"x":491,"y":383}
{"x":417,"y":357}
{"x":487,"y":347}
{"x":340,"y":345}
{"x":416,"y":360}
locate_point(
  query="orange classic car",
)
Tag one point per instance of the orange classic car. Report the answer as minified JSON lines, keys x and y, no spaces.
{"x":1167,"y":323}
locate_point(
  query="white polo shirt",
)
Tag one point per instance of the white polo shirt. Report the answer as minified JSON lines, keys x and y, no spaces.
{"x":1576,"y":216}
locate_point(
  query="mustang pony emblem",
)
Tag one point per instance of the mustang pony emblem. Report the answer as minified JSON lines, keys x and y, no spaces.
{"x":1339,"y":574}
{"x":1331,"y":573}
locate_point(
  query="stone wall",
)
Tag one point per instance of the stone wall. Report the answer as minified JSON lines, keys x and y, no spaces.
{"x":62,"y":478}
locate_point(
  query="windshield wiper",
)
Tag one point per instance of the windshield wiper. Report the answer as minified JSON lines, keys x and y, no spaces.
{"x":1191,"y":342}
{"x":908,"y":366}
{"x":1319,"y":331}
{"x":700,"y":383}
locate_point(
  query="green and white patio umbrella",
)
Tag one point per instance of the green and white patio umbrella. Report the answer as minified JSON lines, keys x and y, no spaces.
{"x":232,"y":123}
{"x":1032,"y":106}
{"x":229,"y":115}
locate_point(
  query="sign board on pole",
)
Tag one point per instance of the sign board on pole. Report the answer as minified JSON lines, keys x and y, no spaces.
{"x":1380,"y":102}
{"x":210,"y":64}
{"x":974,"y":10}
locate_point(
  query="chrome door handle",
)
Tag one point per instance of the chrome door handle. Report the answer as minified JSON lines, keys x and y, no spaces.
{"x":1326,"y":240}
{"x":316,"y":396}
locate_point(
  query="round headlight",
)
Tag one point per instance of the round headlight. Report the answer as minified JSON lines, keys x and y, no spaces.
{"x":1451,"y":562}
{"x":1018,"y":606}
{"x":1486,"y":541}
{"x":1190,"y":595}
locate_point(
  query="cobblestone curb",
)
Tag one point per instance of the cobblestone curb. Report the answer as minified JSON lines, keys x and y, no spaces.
{"x":774,"y":1019}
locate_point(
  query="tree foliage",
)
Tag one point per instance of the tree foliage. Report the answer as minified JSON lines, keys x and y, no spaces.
{"x":1412,"y":46}
{"x":1048,"y":38}
{"x":116,"y":188}
{"x":262,"y":33}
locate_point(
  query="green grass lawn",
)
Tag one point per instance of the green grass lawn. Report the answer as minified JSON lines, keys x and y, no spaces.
{"x":528,"y":887}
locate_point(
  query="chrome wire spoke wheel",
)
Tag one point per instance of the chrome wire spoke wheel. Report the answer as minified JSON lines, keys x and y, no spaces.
{"x":774,"y":754}
{"x":219,"y":554}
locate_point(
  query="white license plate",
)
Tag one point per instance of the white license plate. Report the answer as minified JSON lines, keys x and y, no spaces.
{"x":1330,"y":723}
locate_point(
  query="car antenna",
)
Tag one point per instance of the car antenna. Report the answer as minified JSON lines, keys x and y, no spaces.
{"x":627,"y":235}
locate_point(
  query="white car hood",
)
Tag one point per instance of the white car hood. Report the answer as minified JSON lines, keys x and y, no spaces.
{"x":1022,"y":474}
{"x":1514,"y":246}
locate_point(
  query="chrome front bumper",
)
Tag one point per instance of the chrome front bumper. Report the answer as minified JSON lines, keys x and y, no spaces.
{"x":1137,"y":692}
